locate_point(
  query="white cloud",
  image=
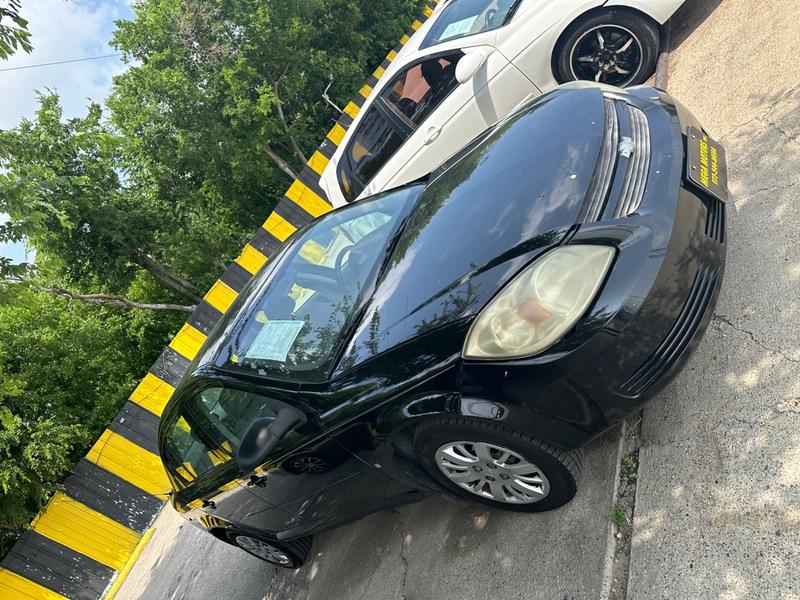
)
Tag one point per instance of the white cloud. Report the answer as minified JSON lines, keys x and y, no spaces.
{"x":62,"y":30}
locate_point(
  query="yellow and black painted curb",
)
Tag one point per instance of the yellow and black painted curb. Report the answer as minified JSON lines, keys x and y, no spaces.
{"x":86,"y":535}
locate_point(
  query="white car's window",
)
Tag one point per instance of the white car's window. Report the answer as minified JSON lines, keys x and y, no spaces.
{"x":461,"y":18}
{"x":420,"y":89}
{"x":402,"y":106}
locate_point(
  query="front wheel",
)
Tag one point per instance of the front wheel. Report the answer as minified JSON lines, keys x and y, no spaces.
{"x":289,"y":555}
{"x":618,"y":47}
{"x":490,"y":463}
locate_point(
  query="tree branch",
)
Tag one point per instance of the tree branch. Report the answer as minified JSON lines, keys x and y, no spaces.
{"x":282,"y":164}
{"x":279,"y":106}
{"x":110,"y":299}
{"x":163,"y":274}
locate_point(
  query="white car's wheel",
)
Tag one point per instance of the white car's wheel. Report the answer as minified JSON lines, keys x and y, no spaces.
{"x":618,"y":47}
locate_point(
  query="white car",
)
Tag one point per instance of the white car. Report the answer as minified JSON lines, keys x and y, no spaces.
{"x":470,"y":64}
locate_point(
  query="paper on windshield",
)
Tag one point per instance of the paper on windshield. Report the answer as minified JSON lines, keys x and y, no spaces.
{"x":274,"y":340}
{"x":458,"y":27}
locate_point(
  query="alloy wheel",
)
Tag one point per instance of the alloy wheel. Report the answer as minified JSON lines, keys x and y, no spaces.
{"x":492,"y":472}
{"x":263,"y":550}
{"x":609,"y":54}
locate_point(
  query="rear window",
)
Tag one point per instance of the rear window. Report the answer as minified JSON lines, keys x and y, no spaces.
{"x":373,"y":144}
{"x":461,"y":18}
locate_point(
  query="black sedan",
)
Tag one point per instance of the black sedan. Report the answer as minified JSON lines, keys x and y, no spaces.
{"x":466,"y":333}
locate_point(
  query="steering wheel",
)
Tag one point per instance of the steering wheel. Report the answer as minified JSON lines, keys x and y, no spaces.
{"x":339,"y":263}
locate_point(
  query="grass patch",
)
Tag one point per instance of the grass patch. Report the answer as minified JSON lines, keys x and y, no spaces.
{"x":618,"y":516}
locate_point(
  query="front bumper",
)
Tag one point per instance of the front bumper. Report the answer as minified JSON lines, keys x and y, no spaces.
{"x":650,"y":315}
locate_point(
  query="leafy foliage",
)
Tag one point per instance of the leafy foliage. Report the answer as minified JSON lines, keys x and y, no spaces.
{"x":63,"y":369}
{"x":14,"y":34}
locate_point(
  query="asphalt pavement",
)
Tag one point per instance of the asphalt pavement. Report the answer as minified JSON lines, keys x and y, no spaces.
{"x":717,"y":508}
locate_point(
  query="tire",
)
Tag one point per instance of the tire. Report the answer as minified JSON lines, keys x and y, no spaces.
{"x":287,"y":554}
{"x":579,"y":40}
{"x":435,"y":444}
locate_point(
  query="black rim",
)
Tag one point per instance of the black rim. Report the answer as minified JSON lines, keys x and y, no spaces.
{"x":608,"y":54}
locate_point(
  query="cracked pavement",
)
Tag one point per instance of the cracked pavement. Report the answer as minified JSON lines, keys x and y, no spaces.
{"x":718,"y":497}
{"x":717,"y":511}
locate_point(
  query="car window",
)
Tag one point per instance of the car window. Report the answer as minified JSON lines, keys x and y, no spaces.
{"x":372,"y":145}
{"x":290,"y":323}
{"x":461,"y":18}
{"x":208,"y":428}
{"x":416,"y":92}
{"x":403,"y":105}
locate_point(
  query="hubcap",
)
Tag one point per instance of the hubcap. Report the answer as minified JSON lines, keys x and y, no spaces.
{"x":263,"y":550}
{"x":309,"y":464}
{"x":493,"y":472}
{"x":607,"y":53}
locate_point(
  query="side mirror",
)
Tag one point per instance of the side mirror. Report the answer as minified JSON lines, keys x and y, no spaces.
{"x":263,"y":435}
{"x":468,"y":65}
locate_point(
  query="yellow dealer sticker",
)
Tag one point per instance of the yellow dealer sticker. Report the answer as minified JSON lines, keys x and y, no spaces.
{"x":705,"y":163}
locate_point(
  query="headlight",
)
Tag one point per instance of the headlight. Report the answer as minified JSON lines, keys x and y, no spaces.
{"x":541,"y":304}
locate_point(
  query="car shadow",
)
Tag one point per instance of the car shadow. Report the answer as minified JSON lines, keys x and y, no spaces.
{"x":689,"y":17}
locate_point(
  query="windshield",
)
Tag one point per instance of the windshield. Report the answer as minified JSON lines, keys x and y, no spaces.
{"x":209,"y":427}
{"x":461,"y":18}
{"x":287,"y":326}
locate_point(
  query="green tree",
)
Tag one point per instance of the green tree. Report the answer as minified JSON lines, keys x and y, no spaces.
{"x":14,"y":34}
{"x":65,"y":367}
{"x":91,"y":217}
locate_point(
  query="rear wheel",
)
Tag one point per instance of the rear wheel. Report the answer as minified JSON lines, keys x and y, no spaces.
{"x":493,"y":464}
{"x":618,"y":47}
{"x":289,"y":555}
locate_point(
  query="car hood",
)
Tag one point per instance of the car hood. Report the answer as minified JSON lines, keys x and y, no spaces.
{"x":494,"y":208}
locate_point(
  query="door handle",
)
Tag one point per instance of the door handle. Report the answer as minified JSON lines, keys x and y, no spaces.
{"x":433,"y":133}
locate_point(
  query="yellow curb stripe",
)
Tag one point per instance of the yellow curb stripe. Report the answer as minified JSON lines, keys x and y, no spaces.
{"x":251,"y":260}
{"x":427,"y":11}
{"x":336,"y":134}
{"x":220,"y":296}
{"x":123,"y":574}
{"x":307,"y":199}
{"x":87,"y":531}
{"x":404,"y":39}
{"x":152,"y":394}
{"x":16,"y":586}
{"x":318,"y":160}
{"x":278,"y":226}
{"x":133,"y":463}
{"x":390,"y":57}
{"x":378,"y":73}
{"x":365,"y":90}
{"x":416,"y":25}
{"x":351,"y":109}
{"x":187,"y":341}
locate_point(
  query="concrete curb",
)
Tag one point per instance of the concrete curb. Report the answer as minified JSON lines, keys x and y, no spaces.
{"x":662,"y":66}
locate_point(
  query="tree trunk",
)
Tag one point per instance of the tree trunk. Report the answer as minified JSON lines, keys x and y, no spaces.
{"x":110,"y":299}
{"x":164,"y":275}
{"x":282,"y":164}
{"x":295,"y":148}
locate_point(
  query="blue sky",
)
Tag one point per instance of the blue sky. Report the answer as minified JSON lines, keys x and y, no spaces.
{"x":61,"y":30}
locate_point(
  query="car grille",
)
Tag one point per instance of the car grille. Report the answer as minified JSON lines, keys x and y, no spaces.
{"x":715,"y":219}
{"x":604,"y":168}
{"x":678,"y":339}
{"x":638,"y":166}
{"x":636,"y":149}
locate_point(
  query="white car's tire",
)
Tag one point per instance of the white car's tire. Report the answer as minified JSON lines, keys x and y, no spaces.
{"x":616,"y":46}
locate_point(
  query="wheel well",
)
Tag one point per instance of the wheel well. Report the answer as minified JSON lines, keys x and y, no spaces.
{"x":219,"y":533}
{"x":599,"y":10}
